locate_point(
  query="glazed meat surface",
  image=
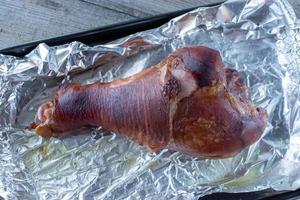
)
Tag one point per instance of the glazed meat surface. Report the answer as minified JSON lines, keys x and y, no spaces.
{"x":188,"y":102}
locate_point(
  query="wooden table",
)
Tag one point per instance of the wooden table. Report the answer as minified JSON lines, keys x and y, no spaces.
{"x":24,"y":21}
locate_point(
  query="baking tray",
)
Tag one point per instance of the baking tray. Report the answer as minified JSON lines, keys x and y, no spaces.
{"x":109,"y":33}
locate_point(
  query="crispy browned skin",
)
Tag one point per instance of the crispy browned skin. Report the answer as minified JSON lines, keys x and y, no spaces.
{"x":188,"y":102}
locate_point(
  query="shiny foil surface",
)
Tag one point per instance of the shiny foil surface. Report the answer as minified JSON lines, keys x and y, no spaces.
{"x":260,"y":38}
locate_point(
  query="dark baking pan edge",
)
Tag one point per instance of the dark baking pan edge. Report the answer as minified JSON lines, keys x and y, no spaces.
{"x":267,"y":194}
{"x":101,"y":35}
{"x":109,"y":33}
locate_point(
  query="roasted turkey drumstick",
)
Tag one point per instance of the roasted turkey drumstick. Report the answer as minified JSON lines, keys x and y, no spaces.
{"x":188,"y":102}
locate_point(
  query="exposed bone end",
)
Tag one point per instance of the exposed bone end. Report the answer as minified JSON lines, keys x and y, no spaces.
{"x":45,"y":115}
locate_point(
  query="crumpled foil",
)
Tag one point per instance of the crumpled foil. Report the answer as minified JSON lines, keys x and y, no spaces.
{"x":260,"y":38}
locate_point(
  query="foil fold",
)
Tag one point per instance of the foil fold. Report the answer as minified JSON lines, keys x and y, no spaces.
{"x":259,"y":38}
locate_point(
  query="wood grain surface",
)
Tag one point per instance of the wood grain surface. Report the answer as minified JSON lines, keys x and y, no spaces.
{"x":24,"y":21}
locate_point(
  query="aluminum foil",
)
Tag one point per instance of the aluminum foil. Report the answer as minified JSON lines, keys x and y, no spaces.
{"x":260,"y":38}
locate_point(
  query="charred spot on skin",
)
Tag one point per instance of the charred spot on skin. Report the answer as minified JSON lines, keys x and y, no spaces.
{"x":171,"y":89}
